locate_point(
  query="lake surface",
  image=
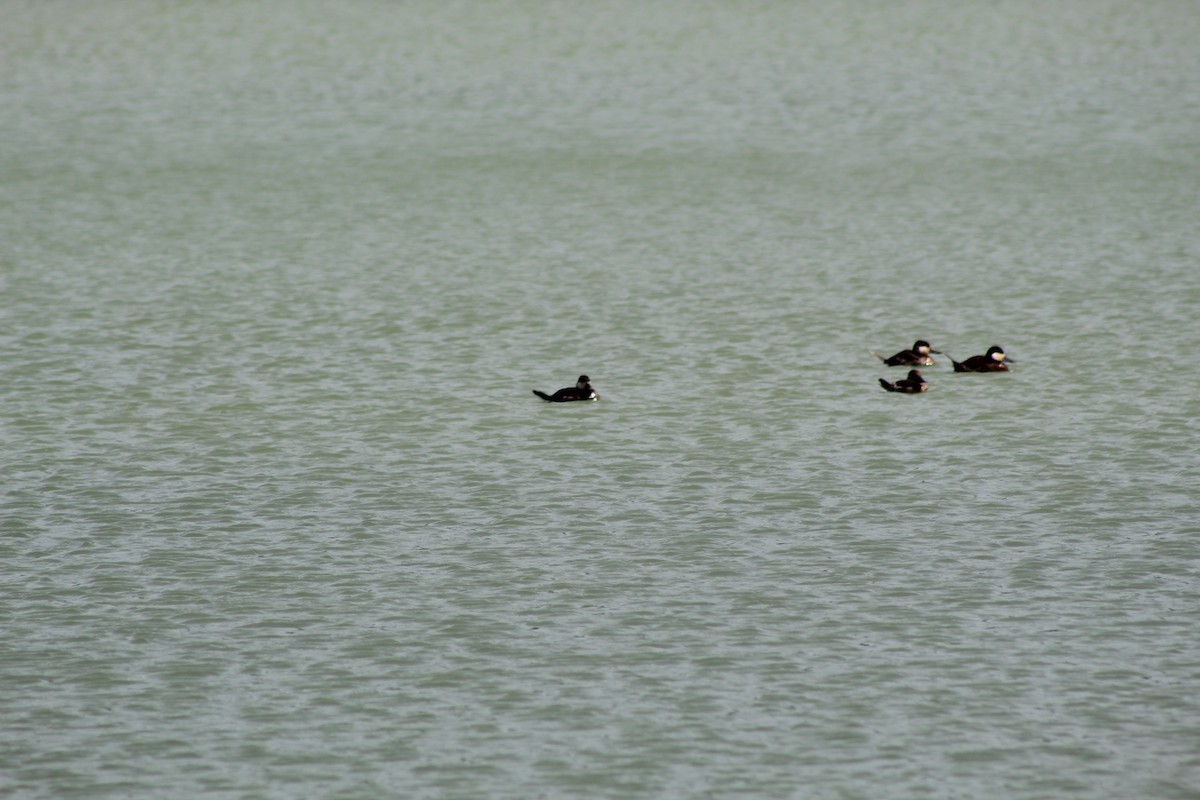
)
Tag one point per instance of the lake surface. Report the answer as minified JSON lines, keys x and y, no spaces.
{"x":282,"y":518}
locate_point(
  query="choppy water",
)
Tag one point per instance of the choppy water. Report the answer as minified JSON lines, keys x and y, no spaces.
{"x":281,"y":517}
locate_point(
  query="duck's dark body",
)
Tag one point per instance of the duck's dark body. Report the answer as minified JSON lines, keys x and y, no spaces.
{"x":582,"y":390}
{"x":992,"y":361}
{"x":918,"y":356}
{"x":913,"y":384}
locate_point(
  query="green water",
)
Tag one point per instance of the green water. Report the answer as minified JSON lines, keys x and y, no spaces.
{"x":282,"y":518}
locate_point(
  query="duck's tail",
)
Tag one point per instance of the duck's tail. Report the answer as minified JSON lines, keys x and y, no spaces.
{"x":891,"y":387}
{"x":543,"y":395}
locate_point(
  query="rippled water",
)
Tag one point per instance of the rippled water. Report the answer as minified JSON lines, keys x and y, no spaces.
{"x":282,"y":518}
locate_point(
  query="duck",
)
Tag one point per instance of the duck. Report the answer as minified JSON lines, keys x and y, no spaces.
{"x":918,"y":356}
{"x":582,"y":390}
{"x":913,"y":384}
{"x":994,"y":360}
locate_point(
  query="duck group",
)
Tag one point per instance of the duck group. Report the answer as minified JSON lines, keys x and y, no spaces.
{"x":919,"y":355}
{"x":994,"y":360}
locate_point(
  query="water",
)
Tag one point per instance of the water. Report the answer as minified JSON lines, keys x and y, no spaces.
{"x":282,"y":518}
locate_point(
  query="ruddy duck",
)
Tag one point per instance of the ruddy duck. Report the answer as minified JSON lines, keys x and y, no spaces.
{"x":918,"y":356}
{"x":582,"y":390}
{"x":913,"y":384}
{"x":992,"y":361}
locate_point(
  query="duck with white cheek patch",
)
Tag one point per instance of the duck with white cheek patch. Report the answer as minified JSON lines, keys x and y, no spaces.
{"x":918,"y":356}
{"x":994,"y":360}
{"x":582,"y":390}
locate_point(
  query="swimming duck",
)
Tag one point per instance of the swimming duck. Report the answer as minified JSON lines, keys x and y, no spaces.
{"x":917,"y":356}
{"x":913,"y":384}
{"x":582,"y":390}
{"x":994,"y":360}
